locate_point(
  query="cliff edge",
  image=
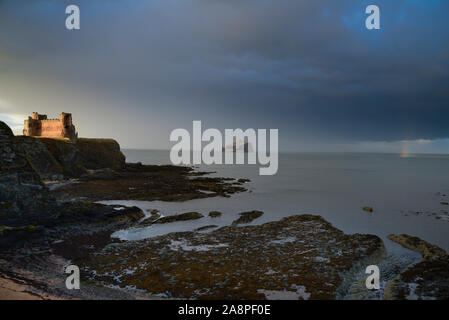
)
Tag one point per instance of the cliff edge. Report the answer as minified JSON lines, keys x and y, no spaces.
{"x":22,"y":193}
{"x":28,"y":209}
{"x":25,"y":161}
{"x":56,"y":159}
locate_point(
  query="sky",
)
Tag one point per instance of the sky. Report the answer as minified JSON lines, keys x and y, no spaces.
{"x":136,"y":70}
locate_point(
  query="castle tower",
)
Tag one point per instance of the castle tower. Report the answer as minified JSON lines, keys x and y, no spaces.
{"x":37,"y":116}
{"x":68,"y":129}
{"x":27,"y":126}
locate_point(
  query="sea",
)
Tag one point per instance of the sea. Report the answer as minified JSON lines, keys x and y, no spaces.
{"x":407,"y":194}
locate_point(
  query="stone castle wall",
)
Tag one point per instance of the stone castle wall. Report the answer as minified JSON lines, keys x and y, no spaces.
{"x":39,"y":126}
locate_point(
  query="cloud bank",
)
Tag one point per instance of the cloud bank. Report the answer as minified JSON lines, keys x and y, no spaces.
{"x":309,"y":68}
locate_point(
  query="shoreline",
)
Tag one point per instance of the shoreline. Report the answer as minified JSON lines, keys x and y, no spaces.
{"x":350,"y":288}
{"x":43,"y":229}
{"x":50,"y":286}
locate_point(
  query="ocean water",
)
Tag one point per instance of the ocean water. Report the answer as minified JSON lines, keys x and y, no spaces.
{"x":405,"y":193}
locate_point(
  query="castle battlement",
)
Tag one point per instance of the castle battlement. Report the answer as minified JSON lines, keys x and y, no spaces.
{"x":39,"y":126}
{"x":50,"y":120}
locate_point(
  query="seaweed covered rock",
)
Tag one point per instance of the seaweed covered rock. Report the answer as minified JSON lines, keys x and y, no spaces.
{"x":247,"y":217}
{"x":85,"y":212}
{"x":425,"y":280}
{"x":180,"y":217}
{"x":301,"y":257}
{"x":151,"y":219}
{"x":206,"y":227}
{"x":214,"y":214}
{"x":148,"y":183}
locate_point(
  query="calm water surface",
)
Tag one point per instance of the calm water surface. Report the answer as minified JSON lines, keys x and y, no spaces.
{"x":335,"y":186}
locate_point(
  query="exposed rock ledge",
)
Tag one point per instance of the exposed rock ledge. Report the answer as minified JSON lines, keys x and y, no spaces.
{"x":302,"y":257}
{"x":428,"y":279}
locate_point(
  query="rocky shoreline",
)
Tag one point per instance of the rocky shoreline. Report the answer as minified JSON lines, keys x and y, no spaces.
{"x":302,"y":253}
{"x":44,"y":229}
{"x":33,"y":218}
{"x":425,"y":280}
{"x":147,"y":182}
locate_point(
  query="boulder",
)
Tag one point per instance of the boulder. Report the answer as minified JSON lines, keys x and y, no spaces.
{"x":247,"y":217}
{"x":206,"y":227}
{"x":214,"y":214}
{"x":180,"y":217}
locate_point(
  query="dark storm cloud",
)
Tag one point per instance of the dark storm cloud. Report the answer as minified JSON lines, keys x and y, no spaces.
{"x":309,"y":68}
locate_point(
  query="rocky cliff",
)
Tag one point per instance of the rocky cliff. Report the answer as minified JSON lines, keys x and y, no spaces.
{"x":25,"y":161}
{"x":28,"y":211}
{"x":55,"y":159}
{"x":22,"y":193}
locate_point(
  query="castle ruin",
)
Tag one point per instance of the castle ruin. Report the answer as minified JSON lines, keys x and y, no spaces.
{"x":39,"y":126}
